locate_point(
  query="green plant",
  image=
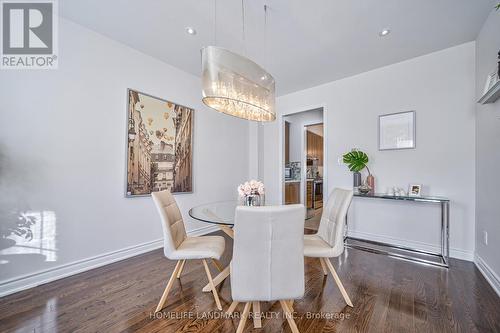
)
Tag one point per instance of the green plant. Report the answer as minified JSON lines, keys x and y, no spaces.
{"x":356,"y":161}
{"x":497,"y":6}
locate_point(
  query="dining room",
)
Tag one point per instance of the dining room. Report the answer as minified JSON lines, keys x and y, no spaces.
{"x":249,"y":166}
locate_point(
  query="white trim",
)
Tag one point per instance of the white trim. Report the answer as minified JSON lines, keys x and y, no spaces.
{"x":490,"y":275}
{"x":31,"y":280}
{"x":203,"y":230}
{"x":454,"y":252}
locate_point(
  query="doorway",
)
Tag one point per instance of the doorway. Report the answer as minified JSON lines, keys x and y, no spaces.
{"x":314,"y":135}
{"x":303,"y":162}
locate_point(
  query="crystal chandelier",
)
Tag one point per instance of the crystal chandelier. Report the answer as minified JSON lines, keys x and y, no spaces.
{"x":235,"y":85}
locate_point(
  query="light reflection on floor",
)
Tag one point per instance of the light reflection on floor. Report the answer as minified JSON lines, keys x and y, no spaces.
{"x":41,"y":319}
{"x":43,"y":241}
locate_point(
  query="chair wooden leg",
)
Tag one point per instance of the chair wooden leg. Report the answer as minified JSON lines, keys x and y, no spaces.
{"x":339,"y":283}
{"x":232,"y":307}
{"x":289,"y":316}
{"x":212,"y":286}
{"x":323,"y":266}
{"x":168,"y":287}
{"x":217,"y":265}
{"x":218,"y":279}
{"x":257,"y":321}
{"x":290,"y":305}
{"x":244,"y":316}
{"x":181,"y":268}
{"x":228,"y":231}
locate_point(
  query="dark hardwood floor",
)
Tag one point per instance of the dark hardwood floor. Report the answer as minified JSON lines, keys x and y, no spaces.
{"x":388,"y":295}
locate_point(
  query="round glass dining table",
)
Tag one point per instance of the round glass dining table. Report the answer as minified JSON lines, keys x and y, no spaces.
{"x":221,"y":212}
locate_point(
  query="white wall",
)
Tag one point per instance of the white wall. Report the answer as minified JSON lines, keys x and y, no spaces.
{"x":62,"y":150}
{"x":440,"y":87}
{"x":487,"y":152}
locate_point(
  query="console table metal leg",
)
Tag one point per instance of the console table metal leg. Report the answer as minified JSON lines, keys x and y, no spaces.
{"x":443,"y":232}
{"x":447,"y":230}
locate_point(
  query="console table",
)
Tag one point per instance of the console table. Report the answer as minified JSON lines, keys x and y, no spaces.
{"x":402,"y":252}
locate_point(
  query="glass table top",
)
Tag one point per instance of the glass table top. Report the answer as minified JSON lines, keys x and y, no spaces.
{"x":402,"y":197}
{"x":221,"y":212}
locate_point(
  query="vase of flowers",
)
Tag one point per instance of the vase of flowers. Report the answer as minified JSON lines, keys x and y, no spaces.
{"x":251,"y":193}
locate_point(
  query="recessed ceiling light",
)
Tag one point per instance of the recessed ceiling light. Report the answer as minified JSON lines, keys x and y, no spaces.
{"x":384,"y":32}
{"x":190,"y":30}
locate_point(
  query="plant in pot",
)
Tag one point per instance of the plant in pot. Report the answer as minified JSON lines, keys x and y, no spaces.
{"x":356,"y":161}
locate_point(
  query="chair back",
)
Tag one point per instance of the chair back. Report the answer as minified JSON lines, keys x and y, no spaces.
{"x":268,"y":257}
{"x":172,"y":224}
{"x":331,"y":226}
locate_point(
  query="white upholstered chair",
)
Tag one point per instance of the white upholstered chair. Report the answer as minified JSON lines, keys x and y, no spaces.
{"x":328,"y":242}
{"x":268,"y":261}
{"x":178,"y":246}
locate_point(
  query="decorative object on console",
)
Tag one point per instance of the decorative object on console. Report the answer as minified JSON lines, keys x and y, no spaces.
{"x":356,"y":179}
{"x":414,"y":190}
{"x":491,"y":91}
{"x":159,"y":145}
{"x":252,"y":193}
{"x":396,"y":191}
{"x":491,"y":80}
{"x":370,"y":181}
{"x":397,"y":131}
{"x":356,"y":161}
{"x":365,"y":188}
{"x":399,"y":192}
{"x":235,"y":85}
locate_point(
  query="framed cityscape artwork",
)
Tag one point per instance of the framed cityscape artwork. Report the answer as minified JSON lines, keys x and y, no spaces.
{"x":159,"y":145}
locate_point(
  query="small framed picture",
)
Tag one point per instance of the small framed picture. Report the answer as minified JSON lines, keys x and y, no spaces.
{"x":396,"y":131}
{"x":414,"y":190}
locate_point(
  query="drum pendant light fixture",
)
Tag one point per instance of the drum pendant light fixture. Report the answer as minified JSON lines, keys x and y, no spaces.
{"x":235,"y":85}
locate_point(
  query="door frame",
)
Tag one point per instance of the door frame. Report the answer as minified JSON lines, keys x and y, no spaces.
{"x":281,"y":149}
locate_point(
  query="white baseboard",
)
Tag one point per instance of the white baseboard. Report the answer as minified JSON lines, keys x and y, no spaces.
{"x":23,"y":282}
{"x":454,"y":253}
{"x":488,"y":273}
{"x":203,"y":230}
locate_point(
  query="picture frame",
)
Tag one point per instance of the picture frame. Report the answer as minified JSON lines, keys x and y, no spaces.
{"x":397,"y":131}
{"x":159,"y":145}
{"x":415,"y":190}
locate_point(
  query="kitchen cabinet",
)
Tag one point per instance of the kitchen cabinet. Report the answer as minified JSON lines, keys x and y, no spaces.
{"x":315,"y":147}
{"x":309,"y":193}
{"x":287,"y":142}
{"x":292,"y":193}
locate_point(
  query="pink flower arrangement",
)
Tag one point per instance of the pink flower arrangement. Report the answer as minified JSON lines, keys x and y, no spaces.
{"x":251,"y":187}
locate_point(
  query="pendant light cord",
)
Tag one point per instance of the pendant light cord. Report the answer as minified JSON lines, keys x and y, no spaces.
{"x":215,"y":22}
{"x":265,"y":36}
{"x":243,"y":26}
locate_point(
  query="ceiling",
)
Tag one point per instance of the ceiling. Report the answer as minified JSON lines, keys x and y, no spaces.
{"x":303,"y":44}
